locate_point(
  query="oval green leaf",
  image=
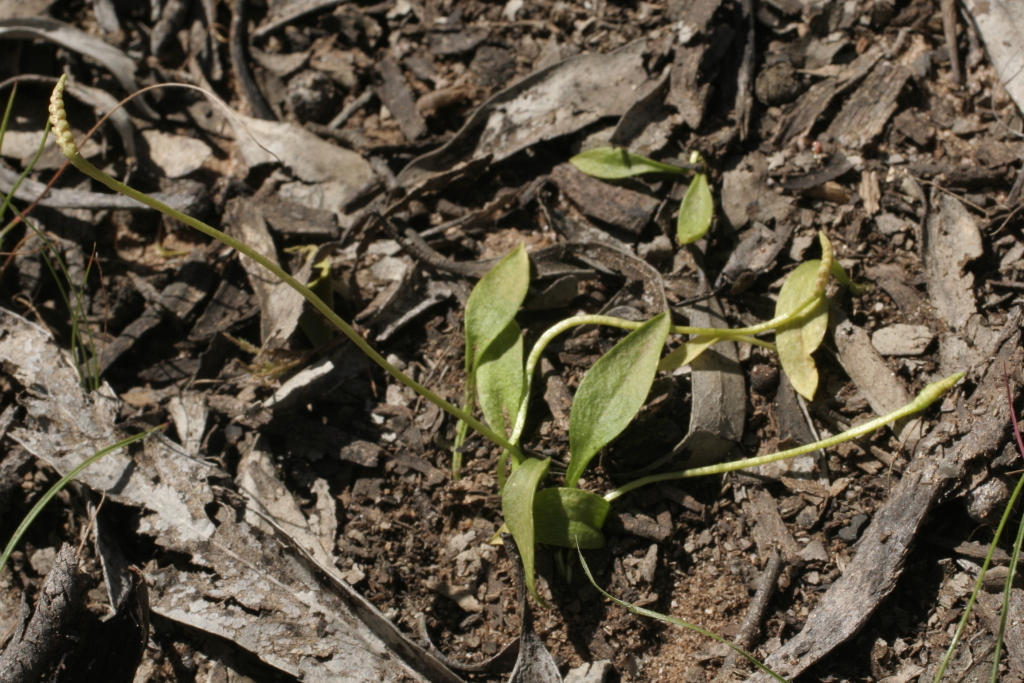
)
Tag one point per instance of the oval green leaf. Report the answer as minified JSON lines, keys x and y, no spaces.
{"x":517,"y":506}
{"x":570,"y":518}
{"x":612,"y":393}
{"x":494,"y":301}
{"x":797,"y":339}
{"x":613,"y":163}
{"x":500,"y":379}
{"x":696,"y":212}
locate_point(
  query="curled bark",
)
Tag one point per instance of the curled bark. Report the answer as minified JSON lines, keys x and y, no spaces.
{"x":38,"y":642}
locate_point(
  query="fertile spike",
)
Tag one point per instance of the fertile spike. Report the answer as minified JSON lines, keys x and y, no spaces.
{"x":59,"y":120}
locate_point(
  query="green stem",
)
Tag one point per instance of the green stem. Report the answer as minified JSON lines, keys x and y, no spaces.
{"x":924,"y":399}
{"x":1004,"y":612}
{"x":58,"y":118}
{"x":962,"y":626}
{"x":460,"y":435}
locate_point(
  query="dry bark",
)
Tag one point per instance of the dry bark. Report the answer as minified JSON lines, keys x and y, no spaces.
{"x":39,"y":640}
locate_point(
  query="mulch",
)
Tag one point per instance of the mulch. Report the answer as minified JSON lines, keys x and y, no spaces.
{"x":297,"y":517}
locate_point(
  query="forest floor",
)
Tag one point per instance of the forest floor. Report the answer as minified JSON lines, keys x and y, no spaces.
{"x":293,"y":470}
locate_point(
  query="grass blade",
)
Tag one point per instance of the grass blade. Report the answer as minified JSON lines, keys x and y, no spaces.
{"x":59,"y":486}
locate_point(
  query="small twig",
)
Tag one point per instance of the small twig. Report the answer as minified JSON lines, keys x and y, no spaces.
{"x":499,"y":663}
{"x":751,"y":627}
{"x":356,"y":104}
{"x":411,"y":241}
{"x":353,"y":139}
{"x":949,"y":28}
{"x":744,"y":101}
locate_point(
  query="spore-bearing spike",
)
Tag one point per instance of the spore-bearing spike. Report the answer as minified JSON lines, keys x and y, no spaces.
{"x":59,"y":120}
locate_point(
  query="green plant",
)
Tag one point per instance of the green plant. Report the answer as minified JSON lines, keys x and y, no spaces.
{"x":609,"y":396}
{"x":697,"y":209}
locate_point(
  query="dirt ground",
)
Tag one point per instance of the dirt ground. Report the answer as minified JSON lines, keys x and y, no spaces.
{"x":293,"y":471}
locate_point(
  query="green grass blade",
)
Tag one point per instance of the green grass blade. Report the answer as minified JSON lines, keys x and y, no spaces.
{"x":59,"y":486}
{"x":3,"y":132}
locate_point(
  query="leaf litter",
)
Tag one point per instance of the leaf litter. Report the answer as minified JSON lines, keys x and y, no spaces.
{"x":257,"y":519}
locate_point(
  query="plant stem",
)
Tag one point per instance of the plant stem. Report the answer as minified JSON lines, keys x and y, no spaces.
{"x":924,"y":399}
{"x":58,"y":118}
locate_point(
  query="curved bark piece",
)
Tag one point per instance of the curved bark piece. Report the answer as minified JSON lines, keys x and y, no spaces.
{"x":37,"y":645}
{"x":238,"y":40}
{"x":120,"y":65}
{"x":555,"y":101}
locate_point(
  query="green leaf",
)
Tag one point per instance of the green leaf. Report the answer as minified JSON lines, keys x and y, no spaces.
{"x":612,"y":163}
{"x":612,"y":393}
{"x":696,"y":211}
{"x":517,"y":506}
{"x":798,"y":339}
{"x":688,"y":352}
{"x":494,"y":301}
{"x":500,"y":379}
{"x":570,"y":518}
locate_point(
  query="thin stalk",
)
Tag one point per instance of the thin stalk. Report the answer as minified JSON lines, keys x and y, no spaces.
{"x":58,"y":118}
{"x":3,"y":132}
{"x":460,"y":433}
{"x":924,"y":399}
{"x":1005,"y":611}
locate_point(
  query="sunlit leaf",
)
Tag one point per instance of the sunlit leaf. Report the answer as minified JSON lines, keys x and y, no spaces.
{"x":500,"y":379}
{"x":612,"y":163}
{"x":688,"y":352}
{"x":798,"y":339}
{"x":612,"y":393}
{"x":494,"y":301}
{"x":696,"y":211}
{"x":570,"y":518}
{"x":517,"y":506}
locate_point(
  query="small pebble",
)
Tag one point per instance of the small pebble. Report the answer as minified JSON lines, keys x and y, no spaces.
{"x":902,"y":340}
{"x":850,"y":532}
